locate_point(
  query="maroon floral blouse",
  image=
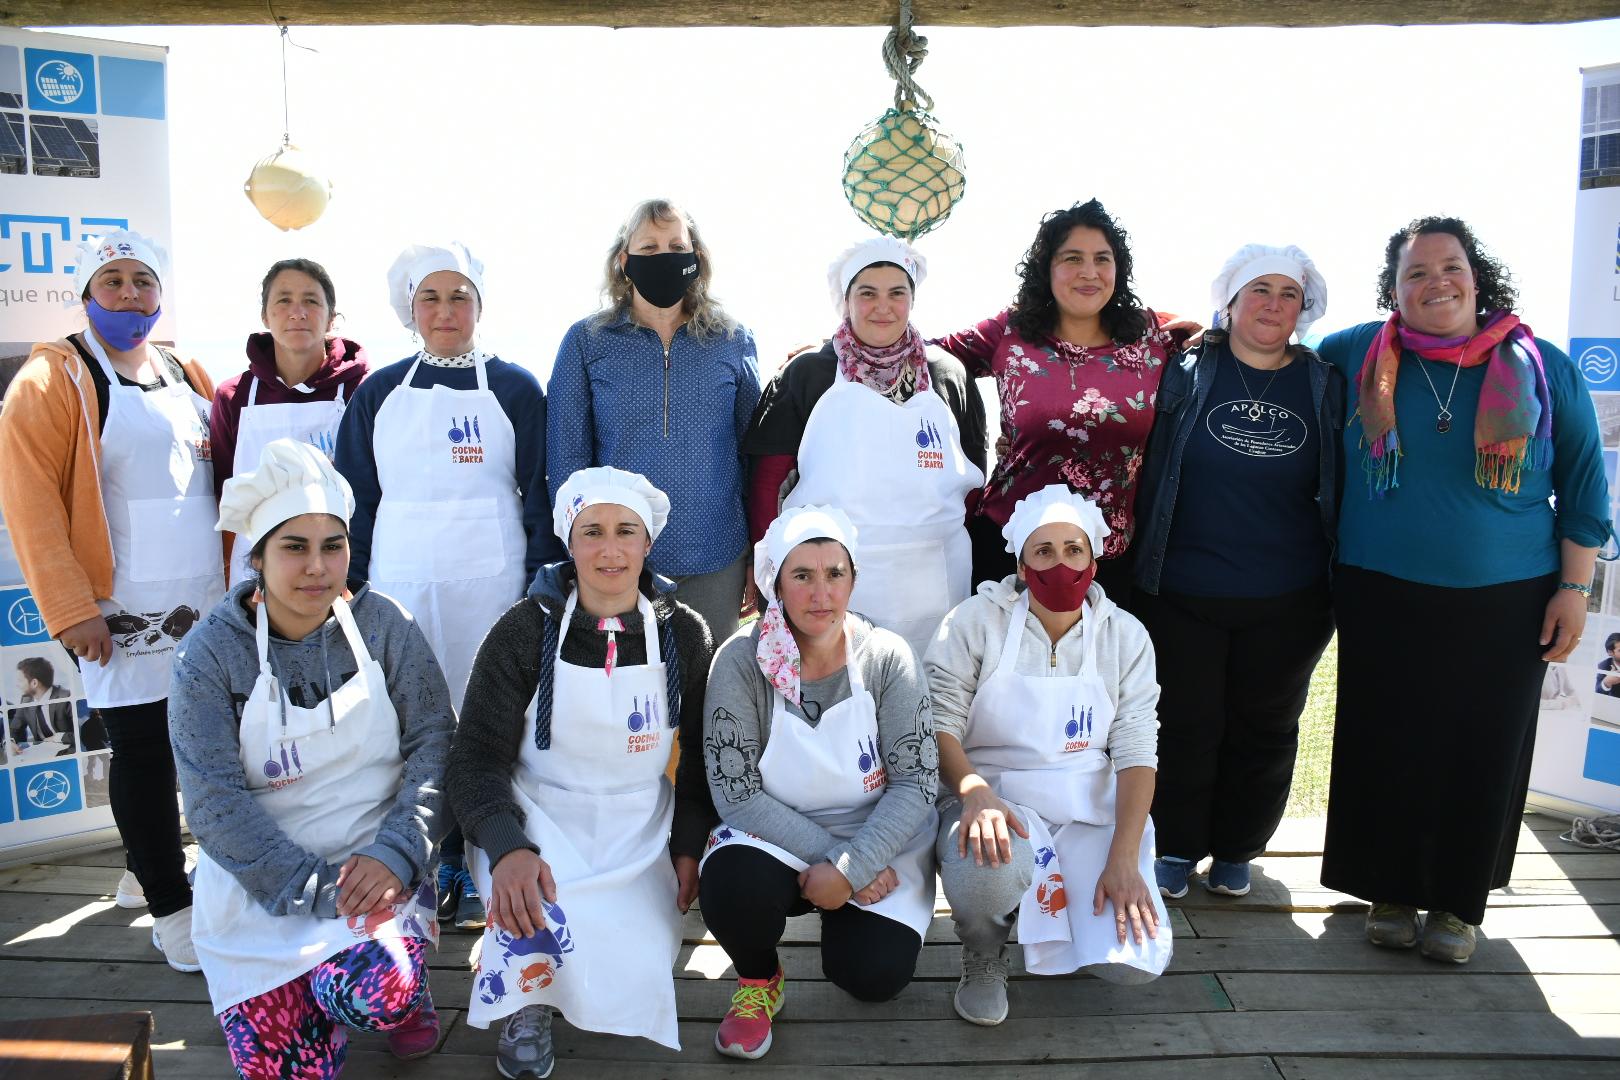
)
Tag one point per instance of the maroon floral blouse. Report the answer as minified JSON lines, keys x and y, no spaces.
{"x":1074,"y":415}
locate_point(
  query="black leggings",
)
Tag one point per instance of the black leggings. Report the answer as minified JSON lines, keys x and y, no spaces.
{"x":746,"y":897}
{"x":141,"y":787}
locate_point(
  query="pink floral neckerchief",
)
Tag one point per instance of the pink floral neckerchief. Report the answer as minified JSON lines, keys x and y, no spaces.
{"x":778,"y":653}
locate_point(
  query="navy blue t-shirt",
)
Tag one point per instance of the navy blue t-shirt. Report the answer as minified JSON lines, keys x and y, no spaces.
{"x":1246,"y":520}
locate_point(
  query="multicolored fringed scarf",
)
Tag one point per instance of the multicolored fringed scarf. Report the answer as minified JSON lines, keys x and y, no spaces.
{"x":896,"y":371}
{"x":1512,"y":426}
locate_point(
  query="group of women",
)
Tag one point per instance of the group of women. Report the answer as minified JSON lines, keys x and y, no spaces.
{"x":1083,"y":671}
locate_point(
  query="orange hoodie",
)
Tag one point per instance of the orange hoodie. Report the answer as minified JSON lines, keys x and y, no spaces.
{"x":50,"y":482}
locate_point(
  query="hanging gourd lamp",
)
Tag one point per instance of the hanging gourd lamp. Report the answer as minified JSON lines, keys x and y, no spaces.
{"x":902,"y":174}
{"x":286,"y":187}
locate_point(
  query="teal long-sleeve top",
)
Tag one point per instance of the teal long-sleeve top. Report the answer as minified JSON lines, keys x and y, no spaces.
{"x":1439,"y":527}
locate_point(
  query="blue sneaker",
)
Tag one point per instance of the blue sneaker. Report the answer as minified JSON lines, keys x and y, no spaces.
{"x":449,"y":890}
{"x":470,"y":907}
{"x":1227,"y":878}
{"x":1171,"y":874}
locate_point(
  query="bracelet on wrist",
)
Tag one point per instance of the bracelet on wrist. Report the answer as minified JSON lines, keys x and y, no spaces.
{"x":1576,"y":586}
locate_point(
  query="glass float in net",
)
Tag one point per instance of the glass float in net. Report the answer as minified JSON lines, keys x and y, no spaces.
{"x":902,"y":175}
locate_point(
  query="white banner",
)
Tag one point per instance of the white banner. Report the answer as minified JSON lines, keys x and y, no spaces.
{"x":84,"y":147}
{"x":1577,"y":758}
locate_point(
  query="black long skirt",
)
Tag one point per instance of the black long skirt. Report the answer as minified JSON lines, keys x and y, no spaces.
{"x":1438,"y":694}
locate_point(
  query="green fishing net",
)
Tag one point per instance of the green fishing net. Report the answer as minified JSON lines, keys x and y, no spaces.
{"x":902,"y":175}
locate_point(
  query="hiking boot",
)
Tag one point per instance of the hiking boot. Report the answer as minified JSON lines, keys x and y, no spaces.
{"x":129,"y":893}
{"x":171,"y":936}
{"x":1227,"y":878}
{"x":1446,"y":937}
{"x":524,"y":1051}
{"x":1392,"y":926}
{"x":746,"y":1030}
{"x":418,"y":1035}
{"x":1171,"y":874}
{"x":981,"y":995}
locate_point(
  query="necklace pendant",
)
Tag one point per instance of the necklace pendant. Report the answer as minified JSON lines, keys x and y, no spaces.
{"x":1254,"y":412}
{"x":1443,"y":423}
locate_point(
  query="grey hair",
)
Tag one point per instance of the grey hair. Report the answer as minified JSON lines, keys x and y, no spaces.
{"x":705,"y":317}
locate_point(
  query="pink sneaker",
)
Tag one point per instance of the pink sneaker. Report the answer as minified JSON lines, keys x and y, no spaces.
{"x":418,"y":1035}
{"x":746,"y":1030}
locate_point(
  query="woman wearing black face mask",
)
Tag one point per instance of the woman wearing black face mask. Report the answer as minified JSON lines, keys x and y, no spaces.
{"x":662,"y":382}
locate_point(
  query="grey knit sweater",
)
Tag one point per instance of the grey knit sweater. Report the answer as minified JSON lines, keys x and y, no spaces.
{"x":214,"y":672}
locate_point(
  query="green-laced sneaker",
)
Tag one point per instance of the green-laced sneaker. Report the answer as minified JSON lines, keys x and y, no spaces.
{"x":1393,"y":926}
{"x":746,"y":1030}
{"x":1446,"y":937}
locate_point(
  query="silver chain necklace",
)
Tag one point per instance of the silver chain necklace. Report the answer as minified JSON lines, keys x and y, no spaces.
{"x":1442,"y":419}
{"x":1255,"y":409}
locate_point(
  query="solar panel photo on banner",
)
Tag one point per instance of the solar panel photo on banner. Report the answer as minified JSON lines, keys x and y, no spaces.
{"x":57,"y":152}
{"x":13,"y":158}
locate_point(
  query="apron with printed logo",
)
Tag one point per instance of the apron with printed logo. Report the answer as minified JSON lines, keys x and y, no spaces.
{"x":314,"y":422}
{"x":157,"y":488}
{"x":900,"y":474}
{"x":327,"y":777}
{"x":599,"y":807}
{"x":448,"y":542}
{"x":1041,"y":743}
{"x":833,"y":774}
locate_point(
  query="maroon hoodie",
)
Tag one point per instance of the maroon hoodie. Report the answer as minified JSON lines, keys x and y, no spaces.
{"x":345,"y":366}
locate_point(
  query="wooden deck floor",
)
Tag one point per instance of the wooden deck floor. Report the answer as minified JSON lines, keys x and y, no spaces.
{"x":1278,"y":984}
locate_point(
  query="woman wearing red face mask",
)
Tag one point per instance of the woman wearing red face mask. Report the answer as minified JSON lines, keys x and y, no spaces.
{"x":1044,"y":696}
{"x":108,"y":489}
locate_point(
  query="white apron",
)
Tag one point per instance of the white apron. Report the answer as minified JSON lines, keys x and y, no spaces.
{"x":900,"y":474}
{"x":1041,"y":744}
{"x":328,"y":777}
{"x":448,"y":542}
{"x":599,"y":807}
{"x":157,"y":488}
{"x":314,"y":422}
{"x":833,"y":774}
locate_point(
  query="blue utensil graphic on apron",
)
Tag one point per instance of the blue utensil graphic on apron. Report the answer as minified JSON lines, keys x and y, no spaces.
{"x":479,"y":435}
{"x":922,"y":434}
{"x":934,"y":431}
{"x":456,"y":434}
{"x":466,"y":428}
{"x":868,"y":756}
{"x":272,"y":768}
{"x":1072,"y":728}
{"x":637,"y":720}
{"x":299,"y":765}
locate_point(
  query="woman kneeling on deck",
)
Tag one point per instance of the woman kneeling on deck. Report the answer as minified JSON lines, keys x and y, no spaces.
{"x":310,"y":731}
{"x":1045,"y":697}
{"x":558,"y":776}
{"x":821,"y":758}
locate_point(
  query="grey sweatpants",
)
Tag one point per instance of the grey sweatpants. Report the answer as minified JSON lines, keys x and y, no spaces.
{"x":716,"y":596}
{"x":984,"y":899}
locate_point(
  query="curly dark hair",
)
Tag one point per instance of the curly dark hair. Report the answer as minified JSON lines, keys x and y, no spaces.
{"x":1493,"y":282}
{"x":1035,"y":312}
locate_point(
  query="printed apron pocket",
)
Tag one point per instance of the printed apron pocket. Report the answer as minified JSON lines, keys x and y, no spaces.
{"x":436,"y":542}
{"x":178,"y":541}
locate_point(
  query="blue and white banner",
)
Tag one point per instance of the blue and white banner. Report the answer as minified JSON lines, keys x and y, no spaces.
{"x":84,"y":147}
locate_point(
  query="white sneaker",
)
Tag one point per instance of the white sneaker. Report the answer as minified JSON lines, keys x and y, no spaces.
{"x":171,"y":936}
{"x":130,"y":894}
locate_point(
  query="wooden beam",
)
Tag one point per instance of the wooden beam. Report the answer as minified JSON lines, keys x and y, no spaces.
{"x":669,"y":13}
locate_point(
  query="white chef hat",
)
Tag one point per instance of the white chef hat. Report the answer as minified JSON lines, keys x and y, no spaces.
{"x":605,"y":484}
{"x":879,"y":249}
{"x":1256,"y":261}
{"x":94,"y":252}
{"x":1054,"y":502}
{"x":792,"y":528}
{"x":417,"y":261}
{"x":291,"y":478}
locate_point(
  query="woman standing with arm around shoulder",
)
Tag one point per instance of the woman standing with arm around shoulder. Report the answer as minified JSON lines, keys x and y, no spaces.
{"x":558,"y":773}
{"x":821,"y":758}
{"x":1239,"y":508}
{"x":1045,"y":694}
{"x":297,"y":381}
{"x":1465,"y":427}
{"x":890,"y":434}
{"x":662,"y":383}
{"x":1077,"y":361}
{"x":108,"y":491}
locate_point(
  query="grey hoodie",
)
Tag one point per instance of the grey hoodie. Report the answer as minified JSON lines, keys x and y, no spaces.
{"x":214,"y":672}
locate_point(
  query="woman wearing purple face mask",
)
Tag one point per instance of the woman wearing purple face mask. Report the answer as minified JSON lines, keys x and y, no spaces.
{"x":108,"y":491}
{"x":1045,"y":697}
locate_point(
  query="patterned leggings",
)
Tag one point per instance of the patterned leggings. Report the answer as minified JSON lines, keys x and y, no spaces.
{"x":298,"y":1031}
